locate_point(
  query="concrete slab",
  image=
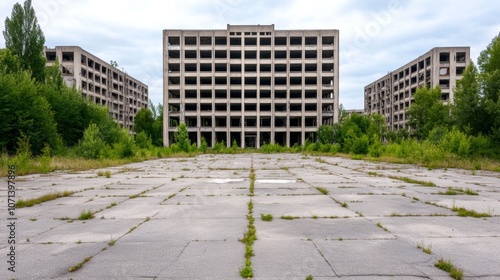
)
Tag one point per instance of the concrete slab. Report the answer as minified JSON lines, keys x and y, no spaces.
{"x":195,"y":234}
{"x":212,"y":259}
{"x":376,"y":257}
{"x":286,"y":259}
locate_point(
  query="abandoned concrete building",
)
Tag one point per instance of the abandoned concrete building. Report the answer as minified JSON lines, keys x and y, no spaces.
{"x":392,"y":94}
{"x":250,"y":83}
{"x":100,"y":82}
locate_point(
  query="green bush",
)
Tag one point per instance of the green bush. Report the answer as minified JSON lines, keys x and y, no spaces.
{"x":126,"y":147}
{"x":91,"y":145}
{"x":219,"y":147}
{"x":480,"y":146}
{"x":203,"y":145}
{"x":143,"y":141}
{"x":360,"y":145}
{"x":376,"y":149}
{"x":271,"y":148}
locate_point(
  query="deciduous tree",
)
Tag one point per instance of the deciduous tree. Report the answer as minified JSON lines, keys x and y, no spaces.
{"x":25,"y":39}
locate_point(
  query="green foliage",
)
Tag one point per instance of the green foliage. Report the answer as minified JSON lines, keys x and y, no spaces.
{"x":325,"y":134}
{"x":203,"y":145}
{"x":143,"y":122}
{"x":91,"y":146}
{"x":219,"y":147}
{"x":9,"y":63}
{"x":21,"y":203}
{"x":234,"y":146}
{"x":24,"y":110}
{"x":447,"y":266}
{"x":468,"y":111}
{"x":360,"y":145}
{"x":25,"y":39}
{"x":86,"y":215}
{"x":272,"y":148}
{"x":427,"y":112}
{"x":143,"y":141}
{"x":266,"y":217}
{"x":125,"y":148}
{"x":181,"y":138}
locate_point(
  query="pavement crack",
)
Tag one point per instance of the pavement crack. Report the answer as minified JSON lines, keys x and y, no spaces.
{"x":180,"y":254}
{"x":323,"y":256}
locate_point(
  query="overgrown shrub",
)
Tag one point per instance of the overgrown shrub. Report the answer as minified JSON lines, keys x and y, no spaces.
{"x":126,"y":147}
{"x":360,"y":145}
{"x":203,"y":145}
{"x":271,"y":148}
{"x":143,"y":141}
{"x":91,"y":146}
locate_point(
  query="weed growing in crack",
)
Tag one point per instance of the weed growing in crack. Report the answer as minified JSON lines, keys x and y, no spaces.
{"x":79,"y":265}
{"x":86,"y":215}
{"x":287,"y":217}
{"x":413,"y":181}
{"x":382,"y":227}
{"x":322,"y":190}
{"x":447,"y":266}
{"x":266,"y":217}
{"x":249,"y":238}
{"x":424,"y":248}
{"x":20,"y":203}
{"x":462,"y":212}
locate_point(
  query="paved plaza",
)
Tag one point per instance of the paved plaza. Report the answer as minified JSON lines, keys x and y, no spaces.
{"x":183,"y":218}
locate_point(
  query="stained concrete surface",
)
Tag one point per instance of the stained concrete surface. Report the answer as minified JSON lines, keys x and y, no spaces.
{"x":183,"y":219}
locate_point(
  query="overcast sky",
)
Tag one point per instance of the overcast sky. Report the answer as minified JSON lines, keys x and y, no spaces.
{"x":375,"y":36}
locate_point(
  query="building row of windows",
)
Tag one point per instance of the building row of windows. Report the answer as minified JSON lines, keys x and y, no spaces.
{"x":249,"y":107}
{"x":251,"y":54}
{"x":263,"y":81}
{"x":91,"y":69}
{"x":444,"y":58}
{"x":249,"y":94}
{"x":174,"y":68}
{"x":250,"y":41}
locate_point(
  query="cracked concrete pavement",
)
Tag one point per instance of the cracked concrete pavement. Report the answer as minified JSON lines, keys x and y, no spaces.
{"x":182,"y":218}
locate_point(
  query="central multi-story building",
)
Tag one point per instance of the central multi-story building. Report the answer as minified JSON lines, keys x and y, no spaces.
{"x":250,"y":83}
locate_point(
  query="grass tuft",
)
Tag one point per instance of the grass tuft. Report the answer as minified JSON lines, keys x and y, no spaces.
{"x":266,"y":217}
{"x":86,"y":215}
{"x":447,"y":266}
{"x":287,"y":217}
{"x":413,"y":181}
{"x":322,"y":190}
{"x":21,"y":203}
{"x":462,"y":212}
{"x":425,"y":249}
{"x":79,"y":265}
{"x":382,"y":227}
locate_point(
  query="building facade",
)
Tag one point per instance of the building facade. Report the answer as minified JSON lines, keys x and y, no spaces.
{"x":250,"y":83}
{"x":100,"y":82}
{"x":392,"y":94}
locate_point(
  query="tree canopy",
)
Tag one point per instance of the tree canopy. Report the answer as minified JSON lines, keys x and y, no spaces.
{"x":25,"y":39}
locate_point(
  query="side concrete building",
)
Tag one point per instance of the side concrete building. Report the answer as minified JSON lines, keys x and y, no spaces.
{"x":250,"y":83}
{"x":392,"y":94}
{"x":100,"y":82}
